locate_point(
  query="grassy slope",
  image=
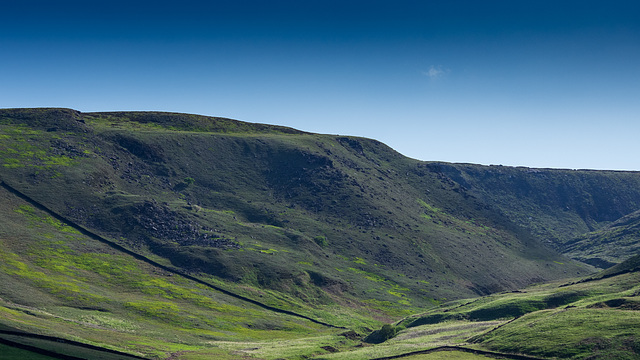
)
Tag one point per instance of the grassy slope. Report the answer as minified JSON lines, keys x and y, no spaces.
{"x":322,"y":219}
{"x":611,"y":244}
{"x":555,"y":205}
{"x":341,"y":229}
{"x":58,"y":282}
{"x":12,"y":353}
{"x":589,"y":320}
{"x":448,"y":356}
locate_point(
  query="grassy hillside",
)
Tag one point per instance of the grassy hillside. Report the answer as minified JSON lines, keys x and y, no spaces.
{"x":186,"y":236}
{"x":595,"y":319}
{"x":559,"y":207}
{"x":609,"y":245}
{"x":315,"y":216}
{"x":60,"y":283}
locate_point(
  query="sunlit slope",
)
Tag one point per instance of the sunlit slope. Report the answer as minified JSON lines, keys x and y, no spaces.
{"x":180,"y":235}
{"x":323,"y":219}
{"x":595,"y":318}
{"x":59,"y":282}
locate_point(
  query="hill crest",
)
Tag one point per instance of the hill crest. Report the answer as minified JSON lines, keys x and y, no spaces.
{"x":296,"y":212}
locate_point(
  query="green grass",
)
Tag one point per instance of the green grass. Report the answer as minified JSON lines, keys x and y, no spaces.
{"x":447,"y":355}
{"x":571,"y":334}
{"x":340,"y":229}
{"x":575,"y":321}
{"x":86,"y":291}
{"x":18,"y":149}
{"x":420,"y":338}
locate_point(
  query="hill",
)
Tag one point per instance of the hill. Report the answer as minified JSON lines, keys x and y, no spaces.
{"x":630,"y":265}
{"x":271,"y":207}
{"x":68,"y":292}
{"x":310,"y":233}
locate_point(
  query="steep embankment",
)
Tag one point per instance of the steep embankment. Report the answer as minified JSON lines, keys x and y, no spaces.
{"x":70,"y":292}
{"x":560,"y":207}
{"x":318,"y":217}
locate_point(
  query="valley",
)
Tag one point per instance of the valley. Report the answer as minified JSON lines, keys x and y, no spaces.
{"x":177,"y":236}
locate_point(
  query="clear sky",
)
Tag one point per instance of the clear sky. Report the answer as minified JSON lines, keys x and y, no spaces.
{"x":525,"y":83}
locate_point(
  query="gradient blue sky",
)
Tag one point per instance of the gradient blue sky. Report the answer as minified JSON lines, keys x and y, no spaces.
{"x":524,"y":83}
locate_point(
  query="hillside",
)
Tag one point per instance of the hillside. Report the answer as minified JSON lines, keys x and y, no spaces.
{"x":70,"y":293}
{"x":162,"y":217}
{"x":630,"y":265}
{"x":66,"y":291}
{"x":609,"y":245}
{"x":576,"y":212}
{"x":595,"y":318}
{"x":269,"y":206}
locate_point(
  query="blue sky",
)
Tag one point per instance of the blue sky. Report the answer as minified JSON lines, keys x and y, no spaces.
{"x":523,"y":83}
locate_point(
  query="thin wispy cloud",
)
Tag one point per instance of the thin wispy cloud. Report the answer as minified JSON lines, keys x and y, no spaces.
{"x":435,"y":72}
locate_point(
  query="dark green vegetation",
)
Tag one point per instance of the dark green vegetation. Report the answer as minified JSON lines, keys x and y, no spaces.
{"x":606,"y":246}
{"x":588,"y":215}
{"x":193,"y":216}
{"x":14,"y":353}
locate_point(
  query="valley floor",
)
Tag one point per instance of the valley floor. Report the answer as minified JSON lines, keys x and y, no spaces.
{"x":587,"y":320}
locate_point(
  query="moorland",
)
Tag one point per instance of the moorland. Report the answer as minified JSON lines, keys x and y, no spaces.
{"x":174,"y":236}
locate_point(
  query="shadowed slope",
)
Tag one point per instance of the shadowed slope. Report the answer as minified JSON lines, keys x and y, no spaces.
{"x":609,"y":245}
{"x":319,"y":217}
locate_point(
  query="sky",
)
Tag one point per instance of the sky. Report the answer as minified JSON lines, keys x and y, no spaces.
{"x":521,"y":83}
